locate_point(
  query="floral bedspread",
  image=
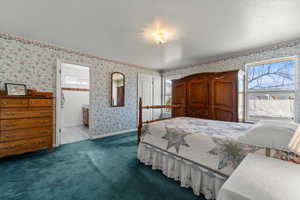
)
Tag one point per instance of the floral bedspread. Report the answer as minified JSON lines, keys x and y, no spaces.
{"x":210,"y":143}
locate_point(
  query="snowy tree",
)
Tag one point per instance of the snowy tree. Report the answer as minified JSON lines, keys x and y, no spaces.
{"x":278,"y":75}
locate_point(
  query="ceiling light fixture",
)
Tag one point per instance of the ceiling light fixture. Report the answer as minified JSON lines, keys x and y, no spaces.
{"x":160,"y":36}
{"x":160,"y":33}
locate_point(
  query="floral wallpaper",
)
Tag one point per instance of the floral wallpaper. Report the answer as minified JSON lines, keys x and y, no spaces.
{"x":34,"y":64}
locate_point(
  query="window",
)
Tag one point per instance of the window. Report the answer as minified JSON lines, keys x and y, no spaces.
{"x":168,"y":92}
{"x":74,"y":76}
{"x":168,"y":88}
{"x":167,"y":95}
{"x":270,"y":89}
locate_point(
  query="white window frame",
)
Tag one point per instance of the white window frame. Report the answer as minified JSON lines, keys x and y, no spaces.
{"x":165,"y":78}
{"x":270,"y":61}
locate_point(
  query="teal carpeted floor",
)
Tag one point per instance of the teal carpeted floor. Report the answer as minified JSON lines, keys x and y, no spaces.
{"x":90,"y":170}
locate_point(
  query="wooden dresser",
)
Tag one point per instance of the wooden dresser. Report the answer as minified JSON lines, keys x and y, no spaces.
{"x":26,"y":124}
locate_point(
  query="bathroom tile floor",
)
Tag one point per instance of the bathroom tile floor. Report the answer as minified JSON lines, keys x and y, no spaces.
{"x":74,"y":134}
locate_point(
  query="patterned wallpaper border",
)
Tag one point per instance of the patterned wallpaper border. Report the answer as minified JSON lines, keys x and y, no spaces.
{"x":46,"y":45}
{"x":284,"y":44}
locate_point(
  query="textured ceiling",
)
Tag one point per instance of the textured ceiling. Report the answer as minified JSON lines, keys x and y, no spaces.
{"x":114,"y":29}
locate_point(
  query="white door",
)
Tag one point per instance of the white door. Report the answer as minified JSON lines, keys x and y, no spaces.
{"x":156,"y":91}
{"x":149,"y":89}
{"x":145,"y":92}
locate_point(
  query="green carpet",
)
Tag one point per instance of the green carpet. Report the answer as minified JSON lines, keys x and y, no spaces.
{"x":90,"y":170}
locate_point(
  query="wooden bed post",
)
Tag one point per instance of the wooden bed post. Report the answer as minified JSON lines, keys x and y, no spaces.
{"x":140,"y":125}
{"x":181,"y":109}
{"x":268,"y":152}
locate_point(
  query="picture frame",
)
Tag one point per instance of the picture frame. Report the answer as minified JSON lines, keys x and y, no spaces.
{"x":15,"y":89}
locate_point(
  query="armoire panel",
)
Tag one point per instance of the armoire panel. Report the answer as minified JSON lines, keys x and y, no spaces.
{"x":178,"y":93}
{"x":197,"y":92}
{"x":178,"y":97}
{"x":223,"y":115}
{"x":223,"y":94}
{"x":198,"y":98}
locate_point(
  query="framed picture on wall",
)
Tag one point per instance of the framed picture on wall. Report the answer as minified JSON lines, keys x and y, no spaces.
{"x":14,"y":89}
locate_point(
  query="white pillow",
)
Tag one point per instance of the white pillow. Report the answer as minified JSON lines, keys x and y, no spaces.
{"x":270,"y":133}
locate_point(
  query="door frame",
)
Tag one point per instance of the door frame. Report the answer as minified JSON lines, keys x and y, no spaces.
{"x":58,"y":98}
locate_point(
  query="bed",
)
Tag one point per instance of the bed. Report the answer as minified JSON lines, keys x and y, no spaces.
{"x":198,"y":153}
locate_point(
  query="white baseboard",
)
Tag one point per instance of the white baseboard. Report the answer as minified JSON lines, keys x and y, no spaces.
{"x":111,"y":134}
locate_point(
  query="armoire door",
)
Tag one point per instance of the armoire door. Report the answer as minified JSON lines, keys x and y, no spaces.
{"x":178,"y":97}
{"x":198,"y":98}
{"x":224,"y":100}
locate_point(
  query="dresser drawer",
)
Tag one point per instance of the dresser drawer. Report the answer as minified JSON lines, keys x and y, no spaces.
{"x":13,"y":103}
{"x":40,"y":102}
{"x":12,"y":124}
{"x":25,"y":113}
{"x":22,"y":146}
{"x":18,"y":134}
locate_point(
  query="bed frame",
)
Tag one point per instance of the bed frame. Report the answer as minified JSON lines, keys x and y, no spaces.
{"x":181,"y":108}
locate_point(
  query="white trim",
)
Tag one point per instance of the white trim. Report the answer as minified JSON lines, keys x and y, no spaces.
{"x":297,"y":90}
{"x":270,"y":61}
{"x":112,"y":134}
{"x":58,"y":101}
{"x":270,"y":91}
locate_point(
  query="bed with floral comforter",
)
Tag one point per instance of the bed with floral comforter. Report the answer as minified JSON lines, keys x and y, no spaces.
{"x":211,"y":145}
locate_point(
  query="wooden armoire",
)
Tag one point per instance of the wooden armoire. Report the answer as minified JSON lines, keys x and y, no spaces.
{"x":207,"y":95}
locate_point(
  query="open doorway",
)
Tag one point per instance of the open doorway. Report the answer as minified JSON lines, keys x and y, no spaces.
{"x":73,"y":103}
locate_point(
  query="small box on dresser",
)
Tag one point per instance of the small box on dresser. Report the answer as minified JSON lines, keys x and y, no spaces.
{"x":26,"y":124}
